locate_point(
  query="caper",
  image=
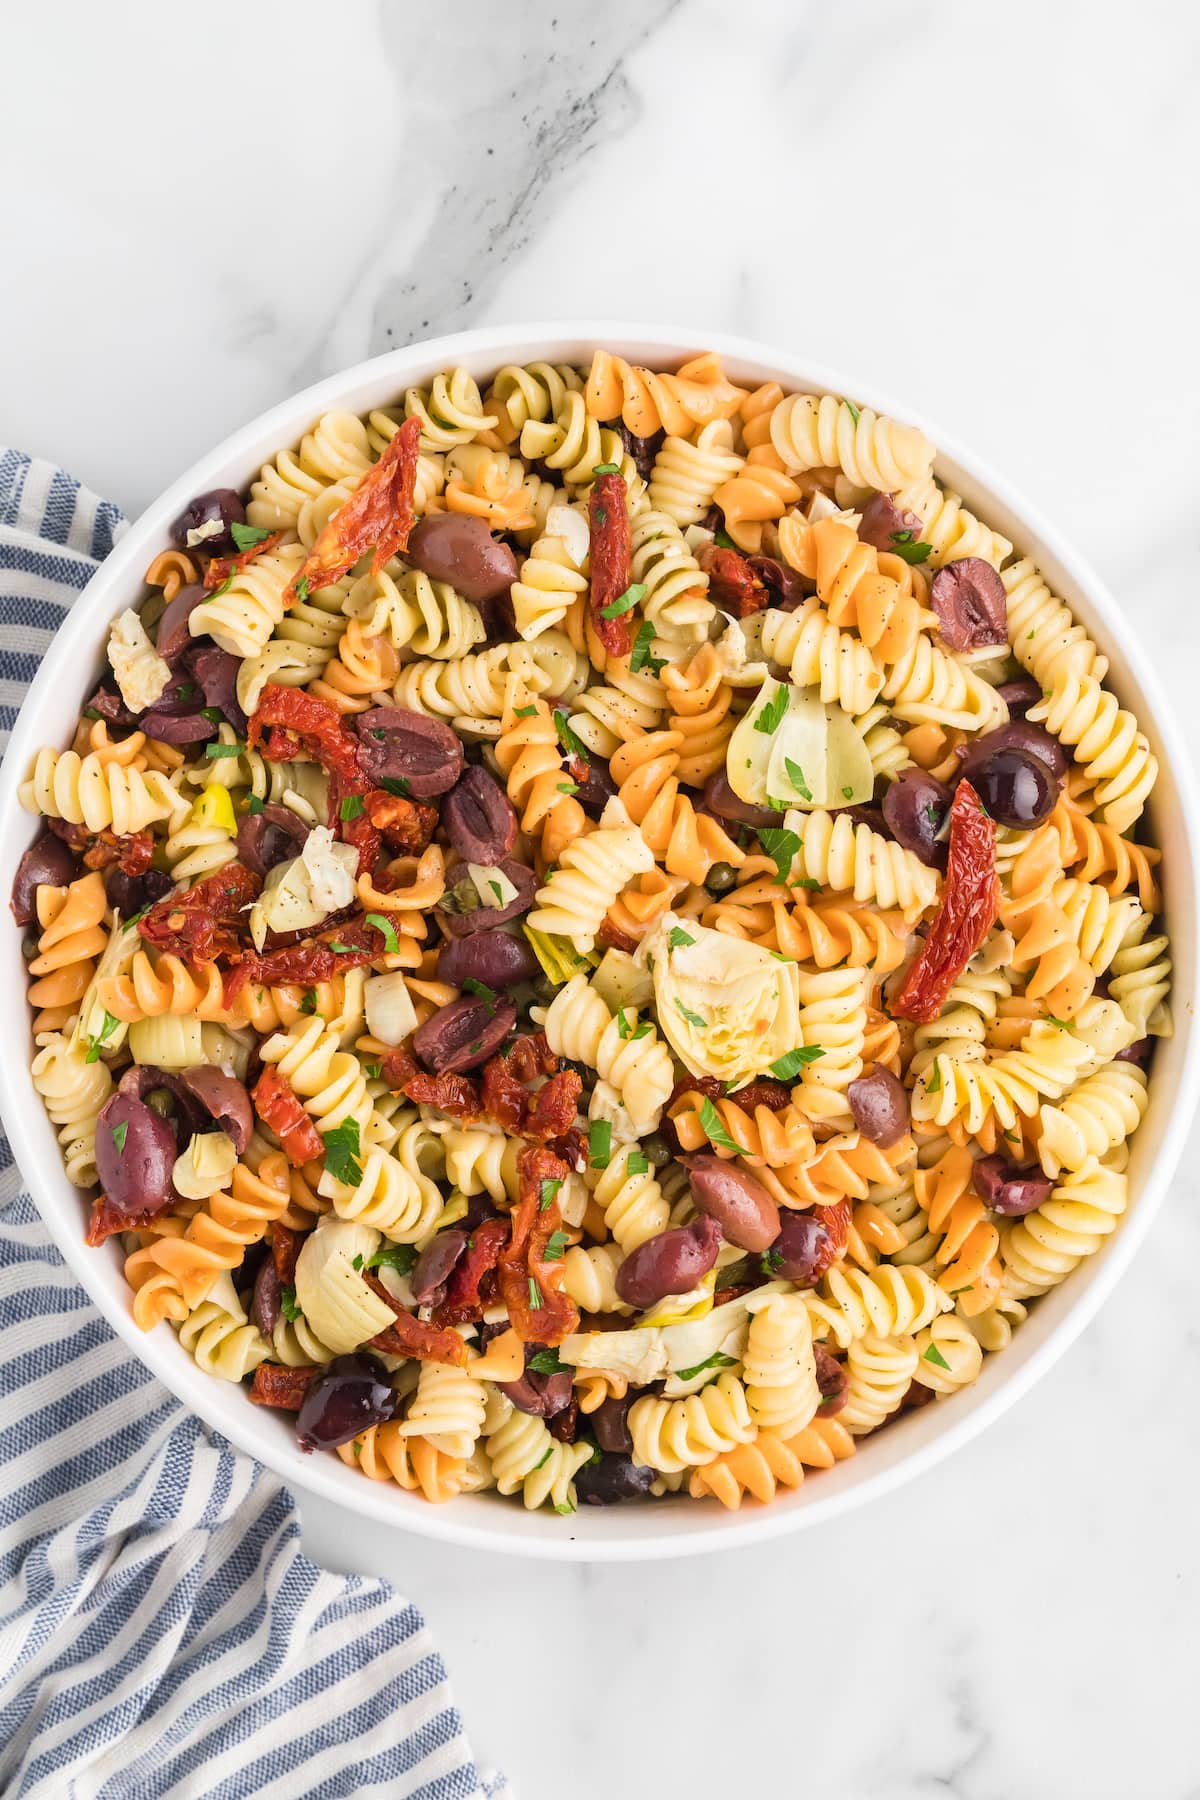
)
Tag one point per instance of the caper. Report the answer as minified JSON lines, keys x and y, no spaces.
{"x":544,"y":989}
{"x":721,"y":877}
{"x":656,"y":1150}
{"x":163,"y":1102}
{"x":30,"y":946}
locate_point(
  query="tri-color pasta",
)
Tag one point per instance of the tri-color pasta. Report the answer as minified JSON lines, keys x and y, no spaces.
{"x":497,"y":949}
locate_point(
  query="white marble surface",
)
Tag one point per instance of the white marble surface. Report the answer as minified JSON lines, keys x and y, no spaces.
{"x":985,"y":208}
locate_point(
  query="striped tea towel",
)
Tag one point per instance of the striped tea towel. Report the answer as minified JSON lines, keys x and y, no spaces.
{"x":160,"y":1632}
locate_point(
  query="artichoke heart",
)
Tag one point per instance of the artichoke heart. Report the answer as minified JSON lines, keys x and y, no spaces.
{"x":331,"y":1293}
{"x":726,"y":1007}
{"x":791,"y":750}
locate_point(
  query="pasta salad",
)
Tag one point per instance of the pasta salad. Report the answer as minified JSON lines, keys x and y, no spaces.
{"x":595,"y":937}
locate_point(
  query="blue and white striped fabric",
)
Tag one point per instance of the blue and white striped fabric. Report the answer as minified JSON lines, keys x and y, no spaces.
{"x":160,"y":1632}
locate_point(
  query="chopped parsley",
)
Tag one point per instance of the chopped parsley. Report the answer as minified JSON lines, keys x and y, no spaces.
{"x":287,"y":1304}
{"x":213,"y":714}
{"x":396,"y":785}
{"x":568,"y":738}
{"x":246,"y":536}
{"x":342,"y":1150}
{"x":934,"y":1355}
{"x":637,"y":1163}
{"x":351,"y":807}
{"x":934,"y":1084}
{"x":771,"y":1262}
{"x":607,"y":469}
{"x":568,"y":787}
{"x":640,"y":657}
{"x":548,"y":1362}
{"x":634,"y":594}
{"x":381,"y":923}
{"x":96,"y":1044}
{"x":599,"y":1143}
{"x":254,"y":804}
{"x":536,"y":1303}
{"x":483,"y":992}
{"x":302,"y":588}
{"x":309,"y":1002}
{"x":678,"y":938}
{"x":851,"y":409}
{"x":795,"y":775}
{"x":718,"y":1360}
{"x":714,"y":1130}
{"x":786,"y":1068}
{"x":401,"y":1257}
{"x":119,"y":1134}
{"x":215,"y":752}
{"x":525,"y":712}
{"x":909,"y":548}
{"x":547,"y":1191}
{"x":781,"y":846}
{"x":556,"y":1243}
{"x":693,"y":1018}
{"x":723,"y":539}
{"x":806,"y":881}
{"x":1059,"y":1024}
{"x":847,"y":793}
{"x":771,"y":717}
{"x":498,"y":891}
{"x":627,"y":1029}
{"x":372,"y":1070}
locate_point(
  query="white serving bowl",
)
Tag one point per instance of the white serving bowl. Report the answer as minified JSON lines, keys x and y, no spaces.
{"x":912,"y":1444}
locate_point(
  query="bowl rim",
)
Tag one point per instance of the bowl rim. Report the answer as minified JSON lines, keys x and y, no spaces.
{"x":646,"y":1532}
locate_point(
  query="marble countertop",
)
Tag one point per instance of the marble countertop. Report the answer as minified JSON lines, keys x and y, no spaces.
{"x":975,"y":207}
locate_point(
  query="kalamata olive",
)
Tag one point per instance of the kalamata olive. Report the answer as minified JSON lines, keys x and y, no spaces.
{"x":801,"y":1252}
{"x":178,"y":727}
{"x":460,"y":549}
{"x":1007,"y":1190}
{"x":880,"y":1106}
{"x":914,"y":807}
{"x":720,"y":878}
{"x":216,"y":672}
{"x":719,"y":798}
{"x":271,"y":836}
{"x":1018,"y":734}
{"x":350,"y":1394}
{"x":206,"y":522}
{"x":611,"y":1479}
{"x":479,"y":818}
{"x":435,"y":1263}
{"x":1016,"y":788}
{"x":742,"y":1207}
{"x":108,"y":703}
{"x":462,"y":913}
{"x":543,"y":1396}
{"x":224,"y":1099}
{"x":173,"y":636}
{"x":1140,"y":1053}
{"x":47,"y":863}
{"x":493,"y":957}
{"x":671,"y":1263}
{"x":464,"y":1034}
{"x":594,"y":786}
{"x":267,"y":1306}
{"x":128,"y":894}
{"x":135,"y":1154}
{"x":409,"y":747}
{"x":642,"y":449}
{"x":833,"y":1381}
{"x":888,"y":526}
{"x":786,"y":587}
{"x":143,"y":1081}
{"x":610,"y":1424}
{"x":563,"y":1425}
{"x":972,"y":607}
{"x":1019,"y":695}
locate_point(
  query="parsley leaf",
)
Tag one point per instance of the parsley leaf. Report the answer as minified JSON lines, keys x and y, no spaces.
{"x":246,"y":536}
{"x":640,"y":657}
{"x":535,"y":1296}
{"x":547,"y":1191}
{"x":851,"y":409}
{"x":771,"y":1262}
{"x":556,"y":1243}
{"x":781,"y":846}
{"x":213,"y":714}
{"x":483,"y":992}
{"x":401,"y":1257}
{"x":254,"y":804}
{"x":498,"y":891}
{"x":634,"y":594}
{"x":372,"y":1070}
{"x":1059,"y":1024}
{"x":908,"y":550}
{"x":934,"y":1355}
{"x":525,"y":712}
{"x":342,"y":1151}
{"x":215,"y":752}
{"x":351,"y":807}
{"x":287,"y":1304}
{"x":396,"y":785}
{"x":718,"y":1360}
{"x":568,"y":787}
{"x":96,"y":1044}
{"x":693,"y":1018}
{"x":636,"y":1163}
{"x":795,"y":775}
{"x":714,"y":1130}
{"x":771,"y":716}
{"x":548,"y":1362}
{"x":382,"y":923}
{"x":568,"y":738}
{"x":678,"y":938}
{"x":119,"y":1134}
{"x":847,"y":793}
{"x":786,"y":1068}
{"x":607,"y":469}
{"x":934,"y":1084}
{"x":302,"y":588}
{"x":724,"y":540}
{"x":599,"y":1143}
{"x":309,"y":1002}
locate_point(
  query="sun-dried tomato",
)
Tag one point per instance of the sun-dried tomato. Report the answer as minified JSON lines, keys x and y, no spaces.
{"x":455,"y":1095}
{"x":285,"y":1248}
{"x":132,"y":854}
{"x":206,"y":922}
{"x":278,"y":1106}
{"x":608,"y":527}
{"x":552,"y":1107}
{"x":341,"y":947}
{"x":312,"y":723}
{"x":766,"y":1091}
{"x":965,"y":916}
{"x":409,"y":1336}
{"x":836,"y":1220}
{"x":613,"y":938}
{"x":406,"y":825}
{"x":220,"y":568}
{"x":529,"y":1056}
{"x":274,"y":1385}
{"x":732,"y":583}
{"x":379,"y":514}
{"x":571,"y":1148}
{"x":504,"y":1098}
{"x":532,"y":1287}
{"x":353,"y":824}
{"x":398,"y":1067}
{"x":464,"y":1302}
{"x":105,"y":1220}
